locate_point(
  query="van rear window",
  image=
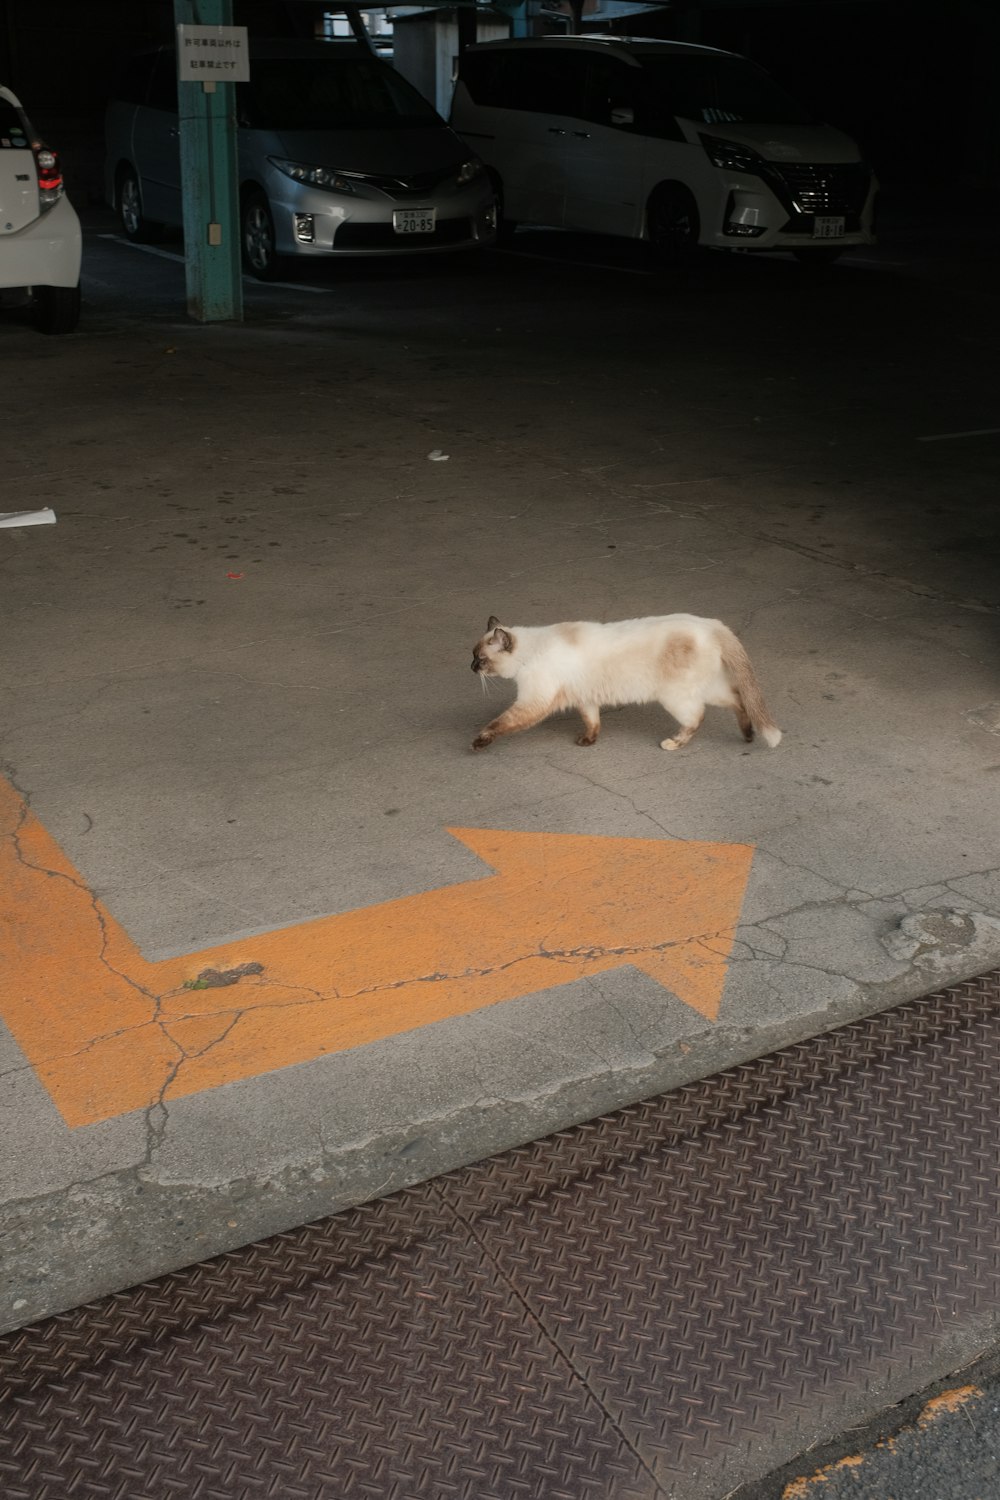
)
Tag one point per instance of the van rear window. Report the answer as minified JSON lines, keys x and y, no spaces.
{"x":329,"y":93}
{"x":719,"y":90}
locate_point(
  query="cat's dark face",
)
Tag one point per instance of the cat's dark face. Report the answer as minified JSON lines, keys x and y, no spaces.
{"x":492,"y":655}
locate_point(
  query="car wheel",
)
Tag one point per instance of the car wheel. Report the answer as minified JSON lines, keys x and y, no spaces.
{"x":257,"y":237}
{"x":816,"y":259}
{"x":506,"y":228}
{"x":672,"y":225}
{"x":56,"y":308}
{"x":135,"y":225}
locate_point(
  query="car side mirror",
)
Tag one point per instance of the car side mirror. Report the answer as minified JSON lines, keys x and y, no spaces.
{"x":623,"y":114}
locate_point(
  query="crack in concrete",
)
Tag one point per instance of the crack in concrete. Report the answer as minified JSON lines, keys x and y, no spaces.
{"x":157,"y":1113}
{"x":814,"y":554}
{"x":862,"y":570}
{"x":612,"y":791}
{"x":76,"y":884}
{"x":570,"y":955}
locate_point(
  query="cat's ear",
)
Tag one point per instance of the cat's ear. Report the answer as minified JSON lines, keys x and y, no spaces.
{"x":492,"y":623}
{"x":503,"y":638}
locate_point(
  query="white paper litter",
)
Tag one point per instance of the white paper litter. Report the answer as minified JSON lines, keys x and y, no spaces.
{"x":437,"y":457}
{"x":44,"y":517}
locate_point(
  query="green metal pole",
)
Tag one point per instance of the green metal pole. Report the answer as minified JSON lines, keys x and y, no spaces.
{"x":209,"y":185}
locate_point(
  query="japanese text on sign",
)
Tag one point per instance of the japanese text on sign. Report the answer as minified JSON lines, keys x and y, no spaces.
{"x":213,"y":52}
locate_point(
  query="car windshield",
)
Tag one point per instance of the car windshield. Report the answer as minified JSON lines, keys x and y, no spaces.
{"x":717,"y":90}
{"x":330,"y":94}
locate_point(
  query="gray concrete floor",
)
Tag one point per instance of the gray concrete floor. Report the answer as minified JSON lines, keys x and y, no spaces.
{"x":813,"y":459}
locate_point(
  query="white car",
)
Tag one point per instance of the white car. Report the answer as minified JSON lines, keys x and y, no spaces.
{"x":40,"y":240}
{"x":667,"y":142}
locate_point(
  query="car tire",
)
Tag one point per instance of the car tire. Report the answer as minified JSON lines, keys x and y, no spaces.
{"x":672,"y":225}
{"x":506,"y":228}
{"x":134,"y":224}
{"x":257,"y":238}
{"x":56,"y":308}
{"x":819,"y":258}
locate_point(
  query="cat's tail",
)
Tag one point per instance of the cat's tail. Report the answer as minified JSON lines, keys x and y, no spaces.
{"x":751,"y":709}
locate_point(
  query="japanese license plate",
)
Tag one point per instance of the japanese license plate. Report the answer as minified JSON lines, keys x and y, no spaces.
{"x":827,"y":228}
{"x":414,"y":220}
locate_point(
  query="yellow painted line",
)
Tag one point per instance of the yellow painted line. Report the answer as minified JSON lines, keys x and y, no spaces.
{"x":107,"y":1031}
{"x":804,"y":1488}
{"x":947,"y":1403}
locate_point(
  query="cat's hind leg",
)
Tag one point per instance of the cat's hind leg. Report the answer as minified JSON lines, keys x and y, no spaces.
{"x":689,"y":715}
{"x":743,"y":719}
{"x":590,"y":713}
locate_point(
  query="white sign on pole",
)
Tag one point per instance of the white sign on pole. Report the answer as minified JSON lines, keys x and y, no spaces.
{"x":213,"y":54}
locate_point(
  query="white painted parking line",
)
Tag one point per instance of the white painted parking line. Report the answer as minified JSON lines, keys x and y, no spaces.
{"x":873,"y":260}
{"x":146,"y":249}
{"x":590,"y":265}
{"x":288,"y":286}
{"x":943,"y":437}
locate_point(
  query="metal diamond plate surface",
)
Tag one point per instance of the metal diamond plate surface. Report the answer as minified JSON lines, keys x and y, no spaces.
{"x":664,"y":1302}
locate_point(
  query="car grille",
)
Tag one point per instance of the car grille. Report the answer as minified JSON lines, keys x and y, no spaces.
{"x":821,"y":189}
{"x":351,"y":236}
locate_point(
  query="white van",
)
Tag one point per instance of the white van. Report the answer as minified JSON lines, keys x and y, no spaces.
{"x":660,"y":141}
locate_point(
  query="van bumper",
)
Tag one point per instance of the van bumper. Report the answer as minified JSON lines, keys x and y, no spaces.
{"x":751,"y":213}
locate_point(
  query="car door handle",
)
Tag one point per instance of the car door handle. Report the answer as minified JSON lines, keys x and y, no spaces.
{"x":554,"y":130}
{"x":582,"y":135}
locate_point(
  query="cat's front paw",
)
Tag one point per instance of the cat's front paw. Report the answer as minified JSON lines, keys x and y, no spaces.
{"x":482,"y":740}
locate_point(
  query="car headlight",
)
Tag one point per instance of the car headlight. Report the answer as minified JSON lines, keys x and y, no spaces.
{"x":320,"y":177}
{"x":470,"y":170}
{"x":731,"y":156}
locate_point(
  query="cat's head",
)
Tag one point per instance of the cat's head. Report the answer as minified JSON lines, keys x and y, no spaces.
{"x":493,"y":653}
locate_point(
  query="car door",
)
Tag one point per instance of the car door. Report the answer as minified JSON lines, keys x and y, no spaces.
{"x":603,"y":174}
{"x":542,"y":95}
{"x":156,"y":146}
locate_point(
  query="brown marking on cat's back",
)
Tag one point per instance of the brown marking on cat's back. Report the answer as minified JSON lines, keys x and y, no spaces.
{"x":677,"y":654}
{"x":569,"y":632}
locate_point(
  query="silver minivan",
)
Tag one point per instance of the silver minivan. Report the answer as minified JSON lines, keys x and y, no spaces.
{"x":662,"y":141}
{"x":338,"y":155}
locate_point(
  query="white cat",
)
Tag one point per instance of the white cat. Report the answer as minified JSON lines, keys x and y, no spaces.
{"x":681,"y":661}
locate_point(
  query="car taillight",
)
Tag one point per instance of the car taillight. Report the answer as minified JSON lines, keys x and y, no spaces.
{"x":50,"y":178}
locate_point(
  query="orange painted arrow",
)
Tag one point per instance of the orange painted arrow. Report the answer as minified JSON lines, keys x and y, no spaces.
{"x":108,"y":1032}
